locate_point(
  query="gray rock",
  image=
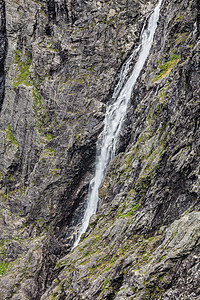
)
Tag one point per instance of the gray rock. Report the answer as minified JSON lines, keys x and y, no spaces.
{"x":60,"y":61}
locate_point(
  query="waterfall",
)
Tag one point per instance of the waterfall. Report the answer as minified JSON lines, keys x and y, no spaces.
{"x":115,"y":114}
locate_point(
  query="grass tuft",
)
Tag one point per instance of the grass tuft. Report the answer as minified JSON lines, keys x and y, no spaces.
{"x":166,"y":68}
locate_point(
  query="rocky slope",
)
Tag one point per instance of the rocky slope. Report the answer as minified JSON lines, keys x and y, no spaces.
{"x":60,"y":62}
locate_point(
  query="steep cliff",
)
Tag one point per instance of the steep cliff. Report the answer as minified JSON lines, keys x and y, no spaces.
{"x":60,"y":62}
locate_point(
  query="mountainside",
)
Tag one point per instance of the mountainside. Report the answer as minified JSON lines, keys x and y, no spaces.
{"x":60,"y":61}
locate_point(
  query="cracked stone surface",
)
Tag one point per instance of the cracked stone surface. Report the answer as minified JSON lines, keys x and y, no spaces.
{"x":59,"y":63}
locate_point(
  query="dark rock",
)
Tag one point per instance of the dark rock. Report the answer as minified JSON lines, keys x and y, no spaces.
{"x":61,"y":64}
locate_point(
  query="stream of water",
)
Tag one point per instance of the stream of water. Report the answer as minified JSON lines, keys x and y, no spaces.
{"x":115,"y":114}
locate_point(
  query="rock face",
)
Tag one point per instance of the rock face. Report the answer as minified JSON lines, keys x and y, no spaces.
{"x":60,"y":61}
{"x":3,"y":44}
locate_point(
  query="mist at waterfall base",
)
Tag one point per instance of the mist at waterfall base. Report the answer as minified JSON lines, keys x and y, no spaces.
{"x":115,"y":114}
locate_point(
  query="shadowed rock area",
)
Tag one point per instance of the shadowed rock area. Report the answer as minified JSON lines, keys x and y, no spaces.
{"x":60,"y":61}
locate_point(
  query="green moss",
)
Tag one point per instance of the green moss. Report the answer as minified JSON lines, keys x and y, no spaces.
{"x":60,"y":264}
{"x":23,"y":64}
{"x":2,"y":242}
{"x":78,"y":136}
{"x":105,"y":283}
{"x":163,"y":93}
{"x":121,"y":210}
{"x":150,"y":151}
{"x":132,"y":211}
{"x":163,"y":257}
{"x":179,"y":17}
{"x":158,"y":61}
{"x":23,"y":69}
{"x":166,"y":68}
{"x":53,"y":49}
{"x":11,"y":178}
{"x":37,"y":97}
{"x":151,"y":238}
{"x":50,"y":150}
{"x":49,"y":136}
{"x":179,"y":39}
{"x":155,"y":291}
{"x":3,"y":267}
{"x":87,"y":253}
{"x":10,"y":136}
{"x":47,"y":154}
{"x":3,"y":196}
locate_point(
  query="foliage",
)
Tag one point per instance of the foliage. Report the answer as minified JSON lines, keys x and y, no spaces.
{"x":3,"y":267}
{"x":166,"y":68}
{"x":23,"y":69}
{"x":10,"y":136}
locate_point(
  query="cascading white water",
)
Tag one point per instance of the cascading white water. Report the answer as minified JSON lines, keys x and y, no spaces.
{"x":115,"y":115}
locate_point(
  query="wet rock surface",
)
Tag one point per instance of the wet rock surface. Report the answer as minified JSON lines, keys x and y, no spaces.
{"x":61,"y":65}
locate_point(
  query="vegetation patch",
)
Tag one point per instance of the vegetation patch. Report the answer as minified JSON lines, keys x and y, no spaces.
{"x":179,"y":18}
{"x":23,"y":64}
{"x":166,"y":68}
{"x":3,"y":267}
{"x":49,"y":136}
{"x":37,"y":97}
{"x":10,"y":136}
{"x":105,"y":283}
{"x":132,"y":211}
{"x":23,"y":69}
